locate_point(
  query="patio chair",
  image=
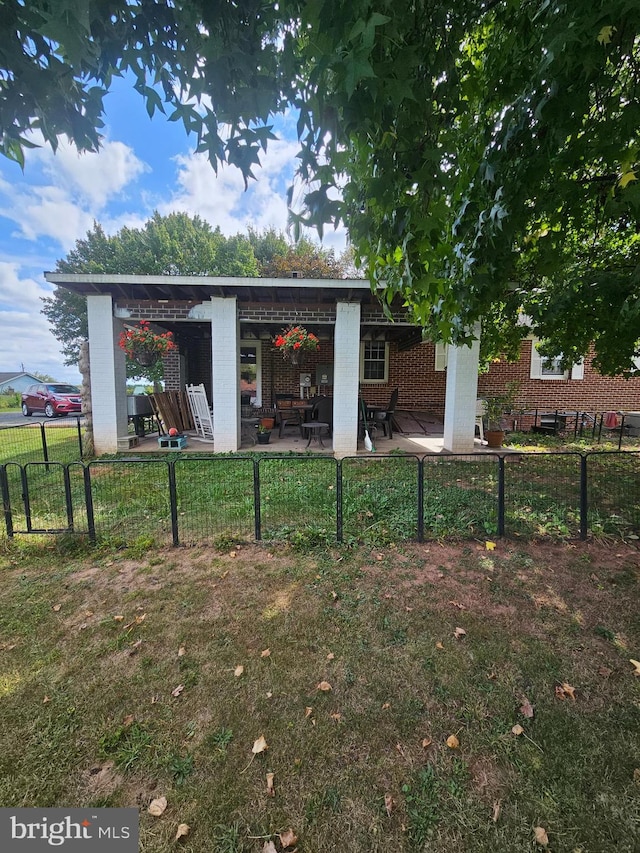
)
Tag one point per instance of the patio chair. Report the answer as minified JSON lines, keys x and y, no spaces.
{"x":202,"y":414}
{"x":288,"y":415}
{"x":385,"y":419}
{"x":323,"y":411}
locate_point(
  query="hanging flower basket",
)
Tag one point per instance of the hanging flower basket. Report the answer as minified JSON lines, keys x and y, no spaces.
{"x":144,"y":346}
{"x":295,"y":342}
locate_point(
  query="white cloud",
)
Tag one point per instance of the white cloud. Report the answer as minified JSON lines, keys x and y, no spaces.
{"x":79,"y":189}
{"x":26,"y":339}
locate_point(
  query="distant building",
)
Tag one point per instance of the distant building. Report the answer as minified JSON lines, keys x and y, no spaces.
{"x":16,"y":381}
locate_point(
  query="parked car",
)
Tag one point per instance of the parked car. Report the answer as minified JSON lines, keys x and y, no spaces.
{"x":52,"y":398}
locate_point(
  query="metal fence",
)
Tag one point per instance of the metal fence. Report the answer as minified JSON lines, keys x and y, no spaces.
{"x":382,"y":499}
{"x":38,"y":441}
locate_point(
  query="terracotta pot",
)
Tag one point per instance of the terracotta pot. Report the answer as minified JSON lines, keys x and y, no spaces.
{"x":268,"y":423}
{"x":494,"y":437}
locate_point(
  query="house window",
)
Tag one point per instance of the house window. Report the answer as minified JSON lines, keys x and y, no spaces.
{"x":374,"y":361}
{"x":549,"y":368}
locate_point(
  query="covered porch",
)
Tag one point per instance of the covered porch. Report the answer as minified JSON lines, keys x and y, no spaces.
{"x":224,"y":325}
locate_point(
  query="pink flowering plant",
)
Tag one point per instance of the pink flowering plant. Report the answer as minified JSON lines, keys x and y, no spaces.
{"x":295,"y":340}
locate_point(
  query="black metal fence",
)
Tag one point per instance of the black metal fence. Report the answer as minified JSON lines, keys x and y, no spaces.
{"x":42,"y":441}
{"x":191,"y":500}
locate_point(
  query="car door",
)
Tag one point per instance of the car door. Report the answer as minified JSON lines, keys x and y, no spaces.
{"x":40,"y":398}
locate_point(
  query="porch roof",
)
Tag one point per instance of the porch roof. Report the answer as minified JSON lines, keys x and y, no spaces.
{"x":200,"y":287}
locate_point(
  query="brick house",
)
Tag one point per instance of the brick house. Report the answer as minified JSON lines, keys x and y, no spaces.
{"x":224,"y":329}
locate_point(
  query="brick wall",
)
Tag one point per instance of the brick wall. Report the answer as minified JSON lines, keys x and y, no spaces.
{"x":412,"y":371}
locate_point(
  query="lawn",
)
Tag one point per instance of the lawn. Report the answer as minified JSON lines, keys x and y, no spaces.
{"x":411,"y":698}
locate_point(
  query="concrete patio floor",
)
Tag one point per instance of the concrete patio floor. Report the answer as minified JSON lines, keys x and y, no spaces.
{"x":420,"y":433}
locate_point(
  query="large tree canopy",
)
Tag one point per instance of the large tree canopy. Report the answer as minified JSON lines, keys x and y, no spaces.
{"x":483,"y":155}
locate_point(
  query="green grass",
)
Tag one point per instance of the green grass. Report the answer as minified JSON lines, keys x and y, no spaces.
{"x":95,"y":643}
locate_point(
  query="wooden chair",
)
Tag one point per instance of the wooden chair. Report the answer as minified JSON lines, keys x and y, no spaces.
{"x":288,"y":415}
{"x":385,"y":419}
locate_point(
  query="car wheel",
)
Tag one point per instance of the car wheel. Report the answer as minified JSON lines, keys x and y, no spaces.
{"x":49,"y":411}
{"x":26,"y":411}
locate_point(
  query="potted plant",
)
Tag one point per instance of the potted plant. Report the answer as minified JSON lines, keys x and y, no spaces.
{"x":496,"y":406}
{"x":264,"y":434}
{"x":144,"y":346}
{"x":294,"y":342}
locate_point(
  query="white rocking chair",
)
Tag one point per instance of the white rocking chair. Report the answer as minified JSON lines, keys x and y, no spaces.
{"x":200,"y":411}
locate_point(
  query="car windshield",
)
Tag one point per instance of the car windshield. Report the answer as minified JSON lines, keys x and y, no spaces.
{"x":63,"y":389}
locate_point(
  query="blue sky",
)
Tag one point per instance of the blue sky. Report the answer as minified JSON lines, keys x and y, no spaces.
{"x":144,"y":165}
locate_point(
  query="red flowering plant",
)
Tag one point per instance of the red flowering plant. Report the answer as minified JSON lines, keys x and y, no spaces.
{"x":296,"y":340}
{"x":145,"y":346}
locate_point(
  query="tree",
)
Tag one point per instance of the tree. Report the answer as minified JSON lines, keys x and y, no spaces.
{"x":167,"y":245}
{"x":278,"y":257}
{"x":468,"y":146}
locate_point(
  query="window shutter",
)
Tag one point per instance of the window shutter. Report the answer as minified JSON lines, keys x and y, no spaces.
{"x":441,"y":357}
{"x":577,"y":371}
{"x":536,"y":362}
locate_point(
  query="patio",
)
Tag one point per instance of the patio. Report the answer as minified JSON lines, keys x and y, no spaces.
{"x":416,"y":432}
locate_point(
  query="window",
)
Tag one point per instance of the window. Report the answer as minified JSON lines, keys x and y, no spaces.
{"x":549,"y":368}
{"x":374,"y":361}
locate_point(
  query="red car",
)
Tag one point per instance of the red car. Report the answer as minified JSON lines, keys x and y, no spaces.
{"x":51,"y":398}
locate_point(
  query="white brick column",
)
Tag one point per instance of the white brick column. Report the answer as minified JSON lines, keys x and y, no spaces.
{"x":346,"y":378}
{"x":461,"y":394}
{"x":225,"y":370}
{"x":108,"y":375}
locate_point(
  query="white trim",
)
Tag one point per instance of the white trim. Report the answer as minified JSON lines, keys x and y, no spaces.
{"x":537,"y":362}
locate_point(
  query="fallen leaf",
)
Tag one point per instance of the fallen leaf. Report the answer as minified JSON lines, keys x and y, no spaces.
{"x":56,"y":608}
{"x":181,"y":652}
{"x":157,"y":807}
{"x":269,"y":847}
{"x":604,"y":671}
{"x":459,"y":633}
{"x":541,"y":836}
{"x":439,"y":646}
{"x":336,"y":716}
{"x":271,"y":792}
{"x":288,"y":838}
{"x":517,"y":729}
{"x":497,"y":808}
{"x":238,"y":671}
{"x":458,"y":605}
{"x":490,"y":546}
{"x":183,"y":829}
{"x":154,"y":699}
{"x":453,"y":742}
{"x":636,"y":775}
{"x":269,"y":694}
{"x":334,"y":595}
{"x":388,"y":803}
{"x":223,"y":575}
{"x":526,"y":709}
{"x":386,"y":706}
{"x":232,"y":553}
{"x":177,"y":690}
{"x":308,"y":711}
{"x":324,"y":686}
{"x":569,"y":690}
{"x":636,"y":664}
{"x":118,"y":618}
{"x":259,"y":746}
{"x":45,"y":700}
{"x":426,"y":742}
{"x":134,"y":647}
{"x":266,"y":653}
{"x":128,"y":720}
{"x":330,"y":656}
